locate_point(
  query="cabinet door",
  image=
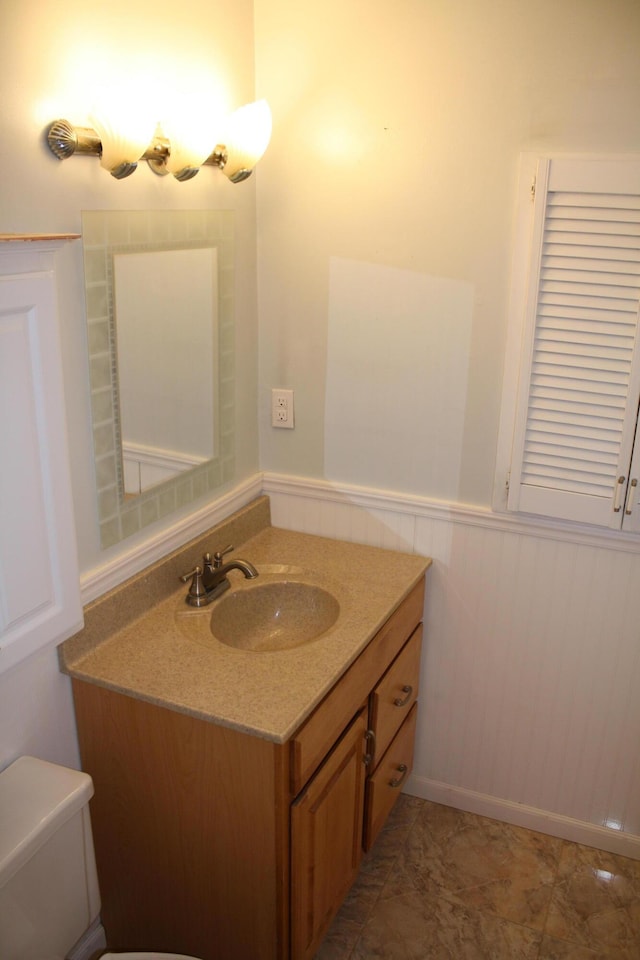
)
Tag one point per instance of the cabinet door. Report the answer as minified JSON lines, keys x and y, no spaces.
{"x":326,"y":840}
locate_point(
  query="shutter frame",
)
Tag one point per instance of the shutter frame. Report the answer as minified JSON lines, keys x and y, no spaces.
{"x":579,"y":382}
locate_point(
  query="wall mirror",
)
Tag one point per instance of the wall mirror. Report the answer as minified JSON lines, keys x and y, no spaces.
{"x":159,"y":295}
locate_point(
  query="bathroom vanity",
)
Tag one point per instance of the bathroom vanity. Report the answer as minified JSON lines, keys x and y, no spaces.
{"x":235,"y":791}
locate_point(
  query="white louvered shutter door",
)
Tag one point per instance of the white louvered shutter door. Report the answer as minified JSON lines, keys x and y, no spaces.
{"x":580,"y":375}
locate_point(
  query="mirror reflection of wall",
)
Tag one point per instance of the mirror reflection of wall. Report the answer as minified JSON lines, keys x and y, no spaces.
{"x":167,"y":317}
{"x":172,"y":274}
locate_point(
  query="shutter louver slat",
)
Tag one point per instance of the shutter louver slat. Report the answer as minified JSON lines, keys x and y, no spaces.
{"x":576,"y":292}
{"x":563,"y":412}
{"x":603,"y":376}
{"x":564,"y":471}
{"x":627,"y":227}
{"x":587,"y":313}
{"x":595,"y":275}
{"x":576,"y":250}
{"x":547,"y":405}
{"x":548,"y":362}
{"x":586,"y":337}
{"x":560,"y":351}
{"x":591,"y":266}
{"x":615,"y":240}
{"x":557,"y":393}
{"x":546,"y":443}
{"x":573,"y":485}
{"x":559,"y":427}
{"x":611,"y":202}
{"x":579,"y":327}
{"x":585,"y":332}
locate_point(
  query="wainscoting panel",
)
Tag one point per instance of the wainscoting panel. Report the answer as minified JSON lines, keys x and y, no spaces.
{"x":530,"y":703}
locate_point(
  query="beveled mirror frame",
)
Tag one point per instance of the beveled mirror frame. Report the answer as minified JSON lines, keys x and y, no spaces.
{"x":104,"y":234}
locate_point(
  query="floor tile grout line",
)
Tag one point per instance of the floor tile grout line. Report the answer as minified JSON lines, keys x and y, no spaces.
{"x":414,"y":820}
{"x":554,"y":883}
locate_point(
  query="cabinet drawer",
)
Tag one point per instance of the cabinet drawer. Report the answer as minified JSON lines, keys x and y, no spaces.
{"x":394,"y":696}
{"x":316,"y":737}
{"x":383,"y":788}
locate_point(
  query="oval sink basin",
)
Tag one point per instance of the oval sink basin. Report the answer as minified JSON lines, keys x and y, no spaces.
{"x":274,"y":616}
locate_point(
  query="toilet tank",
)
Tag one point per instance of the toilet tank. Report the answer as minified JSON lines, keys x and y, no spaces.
{"x":48,"y":883}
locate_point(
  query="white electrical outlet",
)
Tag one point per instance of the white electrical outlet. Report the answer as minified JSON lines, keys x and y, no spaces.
{"x":282,"y":408}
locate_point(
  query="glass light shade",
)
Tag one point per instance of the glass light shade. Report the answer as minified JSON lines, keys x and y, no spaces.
{"x":124,"y":138}
{"x":192,"y":140}
{"x":248,"y":135}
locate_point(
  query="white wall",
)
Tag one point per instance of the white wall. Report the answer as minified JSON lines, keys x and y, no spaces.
{"x":393,"y":163}
{"x":55,"y":58}
{"x":385,"y":223}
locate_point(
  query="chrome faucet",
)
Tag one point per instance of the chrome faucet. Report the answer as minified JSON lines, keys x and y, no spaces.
{"x":210,"y":581}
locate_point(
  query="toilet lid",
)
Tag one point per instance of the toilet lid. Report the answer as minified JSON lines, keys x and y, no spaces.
{"x":146,"y":956}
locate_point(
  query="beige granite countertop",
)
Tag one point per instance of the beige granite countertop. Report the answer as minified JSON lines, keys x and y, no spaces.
{"x":153,"y":655}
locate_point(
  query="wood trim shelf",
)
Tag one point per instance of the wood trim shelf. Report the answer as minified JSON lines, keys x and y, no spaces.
{"x":36,"y":237}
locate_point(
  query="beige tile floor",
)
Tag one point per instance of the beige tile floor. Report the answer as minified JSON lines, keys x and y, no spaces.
{"x":441,"y":884}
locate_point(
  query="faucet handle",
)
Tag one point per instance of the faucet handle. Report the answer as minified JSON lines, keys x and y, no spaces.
{"x":196,"y":591}
{"x":219,"y":554}
{"x":196,"y":572}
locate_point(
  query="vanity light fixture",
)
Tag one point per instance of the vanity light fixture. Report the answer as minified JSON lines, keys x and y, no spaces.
{"x":121,"y":146}
{"x":247,"y":137}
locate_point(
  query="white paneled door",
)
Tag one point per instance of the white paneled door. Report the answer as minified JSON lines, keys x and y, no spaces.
{"x":39,"y":584}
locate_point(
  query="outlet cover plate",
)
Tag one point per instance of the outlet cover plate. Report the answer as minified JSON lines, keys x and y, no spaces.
{"x":282,"y":408}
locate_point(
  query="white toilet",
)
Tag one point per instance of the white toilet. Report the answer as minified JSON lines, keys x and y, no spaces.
{"x":49,"y":896}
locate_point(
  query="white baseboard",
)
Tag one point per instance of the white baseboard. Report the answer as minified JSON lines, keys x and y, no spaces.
{"x":579,"y":831}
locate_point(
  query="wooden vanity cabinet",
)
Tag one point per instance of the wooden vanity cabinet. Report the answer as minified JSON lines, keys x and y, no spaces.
{"x":217,"y":843}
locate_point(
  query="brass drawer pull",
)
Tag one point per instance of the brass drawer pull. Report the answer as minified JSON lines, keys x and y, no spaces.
{"x":402,"y":703}
{"x":402,"y":770}
{"x":370,"y":737}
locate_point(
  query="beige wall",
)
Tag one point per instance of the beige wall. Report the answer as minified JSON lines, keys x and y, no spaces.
{"x":385,"y":215}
